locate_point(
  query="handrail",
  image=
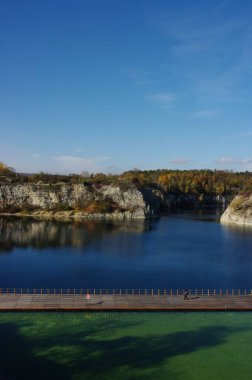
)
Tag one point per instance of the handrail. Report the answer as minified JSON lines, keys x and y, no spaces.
{"x":128,"y":292}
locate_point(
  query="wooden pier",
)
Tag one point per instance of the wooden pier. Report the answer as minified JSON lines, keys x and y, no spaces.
{"x":108,"y":300}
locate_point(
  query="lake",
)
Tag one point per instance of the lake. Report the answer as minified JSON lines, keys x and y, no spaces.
{"x":190,"y":249}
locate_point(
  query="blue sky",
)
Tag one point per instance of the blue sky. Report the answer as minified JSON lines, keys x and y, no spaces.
{"x":112,"y":85}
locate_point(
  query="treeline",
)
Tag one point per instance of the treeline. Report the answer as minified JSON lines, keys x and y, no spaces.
{"x":205,"y":182}
{"x":198,"y":182}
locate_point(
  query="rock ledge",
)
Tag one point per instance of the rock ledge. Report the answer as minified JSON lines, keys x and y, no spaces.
{"x":239,"y":211}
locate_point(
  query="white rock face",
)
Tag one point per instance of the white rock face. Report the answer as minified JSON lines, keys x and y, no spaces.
{"x":39,"y":198}
{"x":239,"y":211}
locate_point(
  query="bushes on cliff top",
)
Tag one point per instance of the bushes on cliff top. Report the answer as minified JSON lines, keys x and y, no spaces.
{"x":6,"y":170}
{"x":196,"y":182}
{"x":104,"y":206}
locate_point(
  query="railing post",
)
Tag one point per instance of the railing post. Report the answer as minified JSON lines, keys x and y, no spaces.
{"x":158,"y":292}
{"x":208,"y":292}
{"x":164,"y":292}
{"x":152,"y":292}
{"x":14,"y":290}
{"x":177,"y":292}
{"x":232,"y":292}
{"x":214,"y":292}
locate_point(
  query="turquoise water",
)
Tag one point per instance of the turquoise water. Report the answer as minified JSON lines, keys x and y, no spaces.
{"x":177,"y":346}
{"x":190,"y":250}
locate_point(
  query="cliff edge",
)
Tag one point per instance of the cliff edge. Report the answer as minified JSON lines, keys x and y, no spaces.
{"x":77,"y":200}
{"x":239,"y":211}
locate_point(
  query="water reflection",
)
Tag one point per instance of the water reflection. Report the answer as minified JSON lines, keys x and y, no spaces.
{"x":27,"y":232}
{"x":173,"y":252}
{"x":237,"y":229}
{"x":204,"y":215}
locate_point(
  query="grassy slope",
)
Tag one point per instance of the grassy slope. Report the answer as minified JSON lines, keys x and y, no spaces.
{"x":126,"y":345}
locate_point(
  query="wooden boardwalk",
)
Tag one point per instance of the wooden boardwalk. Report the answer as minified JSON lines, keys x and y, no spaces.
{"x":109,"y":302}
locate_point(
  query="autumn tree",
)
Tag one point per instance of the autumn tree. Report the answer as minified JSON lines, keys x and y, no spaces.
{"x":5,"y":170}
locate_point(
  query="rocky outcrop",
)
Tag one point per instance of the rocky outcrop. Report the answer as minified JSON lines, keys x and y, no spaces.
{"x":99,"y":201}
{"x":239,"y":211}
{"x":77,"y":200}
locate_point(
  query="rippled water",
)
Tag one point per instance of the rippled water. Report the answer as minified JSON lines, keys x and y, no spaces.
{"x":180,"y":250}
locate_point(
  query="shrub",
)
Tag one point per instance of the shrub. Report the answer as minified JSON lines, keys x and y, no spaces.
{"x":5,"y":170}
{"x":101,"y":206}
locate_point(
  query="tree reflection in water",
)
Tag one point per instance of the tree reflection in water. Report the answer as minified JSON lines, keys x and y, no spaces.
{"x":27,"y":232}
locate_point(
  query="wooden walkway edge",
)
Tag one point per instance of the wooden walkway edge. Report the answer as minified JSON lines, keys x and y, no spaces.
{"x":78,"y":302}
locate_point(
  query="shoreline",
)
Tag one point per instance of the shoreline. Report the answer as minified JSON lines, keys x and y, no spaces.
{"x":72,"y":215}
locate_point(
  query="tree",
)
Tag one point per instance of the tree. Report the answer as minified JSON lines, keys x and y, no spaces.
{"x":5,"y":170}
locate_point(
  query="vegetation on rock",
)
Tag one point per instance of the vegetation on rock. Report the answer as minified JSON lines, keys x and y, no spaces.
{"x":197,"y":182}
{"x":105,"y":194}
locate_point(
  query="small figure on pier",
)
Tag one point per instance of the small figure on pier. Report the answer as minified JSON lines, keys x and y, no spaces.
{"x":186,"y":294}
{"x":88,"y":297}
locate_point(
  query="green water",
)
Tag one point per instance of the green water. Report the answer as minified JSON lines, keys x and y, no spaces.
{"x":126,"y":346}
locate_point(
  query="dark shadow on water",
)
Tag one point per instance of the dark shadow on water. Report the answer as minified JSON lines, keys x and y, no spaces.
{"x":149,"y":353}
{"x":18,"y":362}
{"x":98,"y":358}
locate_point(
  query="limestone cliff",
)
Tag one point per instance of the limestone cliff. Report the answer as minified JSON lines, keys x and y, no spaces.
{"x":239,"y":211}
{"x":77,"y":200}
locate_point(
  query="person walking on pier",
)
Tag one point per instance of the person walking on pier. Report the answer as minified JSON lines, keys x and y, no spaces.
{"x":186,"y":293}
{"x":88,"y":297}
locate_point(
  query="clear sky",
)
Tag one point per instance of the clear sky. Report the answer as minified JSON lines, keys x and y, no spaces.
{"x":112,"y":85}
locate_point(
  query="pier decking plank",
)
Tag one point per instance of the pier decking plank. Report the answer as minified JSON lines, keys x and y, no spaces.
{"x":58,"y":302}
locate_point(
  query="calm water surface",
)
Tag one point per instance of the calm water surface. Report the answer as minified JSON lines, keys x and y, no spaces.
{"x":180,"y":250}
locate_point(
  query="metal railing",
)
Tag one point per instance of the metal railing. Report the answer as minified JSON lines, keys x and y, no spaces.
{"x":128,"y":292}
